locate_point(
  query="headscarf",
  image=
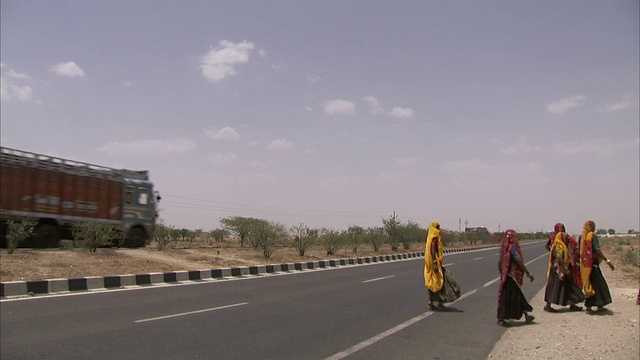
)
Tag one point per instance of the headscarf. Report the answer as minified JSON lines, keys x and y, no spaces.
{"x":586,"y":258}
{"x":559,"y":227}
{"x":558,"y":242}
{"x":433,"y":280}
{"x":509,"y":241}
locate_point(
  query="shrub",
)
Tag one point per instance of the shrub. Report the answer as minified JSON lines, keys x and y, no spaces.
{"x":94,"y":235}
{"x":66,"y":244}
{"x":631,"y":257}
{"x":17,"y":232}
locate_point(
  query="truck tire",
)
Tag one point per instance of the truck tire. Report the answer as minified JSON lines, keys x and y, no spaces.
{"x":46,"y":236}
{"x":136,"y":238}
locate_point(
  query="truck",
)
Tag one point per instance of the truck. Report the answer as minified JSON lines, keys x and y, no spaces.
{"x":60,"y":193}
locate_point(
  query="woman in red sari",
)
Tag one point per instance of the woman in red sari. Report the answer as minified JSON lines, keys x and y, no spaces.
{"x":511,"y":301}
{"x":594,"y":286}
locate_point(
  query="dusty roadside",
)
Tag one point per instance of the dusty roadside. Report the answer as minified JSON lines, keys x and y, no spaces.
{"x":578,"y":335}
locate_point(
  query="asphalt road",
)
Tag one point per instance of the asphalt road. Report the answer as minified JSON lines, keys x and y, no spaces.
{"x":376,"y":311}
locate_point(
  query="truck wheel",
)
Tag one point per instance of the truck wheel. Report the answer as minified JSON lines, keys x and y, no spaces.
{"x":136,"y":238}
{"x":46,"y":236}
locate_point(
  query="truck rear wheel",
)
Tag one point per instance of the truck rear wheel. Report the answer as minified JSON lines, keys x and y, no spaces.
{"x":46,"y":236}
{"x":136,"y":238}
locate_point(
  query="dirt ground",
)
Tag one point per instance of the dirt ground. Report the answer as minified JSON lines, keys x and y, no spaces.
{"x":562,"y":335}
{"x":577,"y":335}
{"x":39,"y":264}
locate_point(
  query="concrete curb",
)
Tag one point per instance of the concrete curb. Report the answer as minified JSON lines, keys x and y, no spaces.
{"x":60,"y":286}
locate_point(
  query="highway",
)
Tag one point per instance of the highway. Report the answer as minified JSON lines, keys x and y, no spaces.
{"x":376,"y":311}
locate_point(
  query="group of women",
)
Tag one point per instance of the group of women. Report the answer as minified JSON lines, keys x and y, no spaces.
{"x":573,"y":274}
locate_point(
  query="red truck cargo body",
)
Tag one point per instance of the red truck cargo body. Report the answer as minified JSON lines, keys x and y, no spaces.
{"x":34,"y":192}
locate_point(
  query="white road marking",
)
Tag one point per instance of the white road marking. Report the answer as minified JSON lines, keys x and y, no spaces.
{"x":449,"y":264}
{"x":478,"y":258}
{"x":381,"y":278}
{"x":191,"y":312}
{"x":370,"y":341}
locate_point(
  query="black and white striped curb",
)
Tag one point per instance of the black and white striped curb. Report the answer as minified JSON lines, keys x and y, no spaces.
{"x":56,"y":286}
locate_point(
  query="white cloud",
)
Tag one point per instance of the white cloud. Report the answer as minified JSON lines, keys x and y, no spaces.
{"x":149,"y":147}
{"x":4,"y":89}
{"x":391,"y":177}
{"x":262,"y":52}
{"x":127,"y":83}
{"x":226,"y":133}
{"x":68,"y":69}
{"x":625,"y":103}
{"x":401,"y":113}
{"x":308,"y":108}
{"x":313,"y":78}
{"x":219,"y":63}
{"x":466,"y":167}
{"x":602,"y":148}
{"x":222,"y":159}
{"x":17,"y":75}
{"x":333,"y":107}
{"x":519,"y":148}
{"x":23,"y":93}
{"x":281,"y":144}
{"x":563,"y":105}
{"x":374,"y":105}
{"x":406,"y":162}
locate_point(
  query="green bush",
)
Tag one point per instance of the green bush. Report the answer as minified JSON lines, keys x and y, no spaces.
{"x":66,"y":244}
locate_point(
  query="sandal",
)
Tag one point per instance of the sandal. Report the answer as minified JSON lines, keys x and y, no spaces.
{"x":575,"y":308}
{"x":528,"y":319}
{"x":548,"y":308}
{"x":503,"y":323}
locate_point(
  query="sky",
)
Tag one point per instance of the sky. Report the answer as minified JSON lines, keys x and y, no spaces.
{"x":503,"y":114}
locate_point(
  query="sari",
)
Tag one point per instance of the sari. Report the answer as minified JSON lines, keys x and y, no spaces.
{"x":442,"y":284}
{"x":594,"y":286}
{"x":511,"y":301}
{"x":561,"y":288}
{"x":586,"y":258}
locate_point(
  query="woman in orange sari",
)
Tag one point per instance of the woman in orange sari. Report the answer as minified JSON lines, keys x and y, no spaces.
{"x":511,"y":301}
{"x":594,"y":286}
{"x":442,"y":285}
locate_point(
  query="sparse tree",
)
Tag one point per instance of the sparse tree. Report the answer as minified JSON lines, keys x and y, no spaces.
{"x":303,"y":238}
{"x":17,"y":232}
{"x":356,"y":234}
{"x":411,"y":233}
{"x":219,"y":234}
{"x":391,"y":228}
{"x":174,"y":234}
{"x":374,"y":236}
{"x":240,"y":226}
{"x":268,"y":235}
{"x":332,"y":240}
{"x":94,"y":235}
{"x":162,"y":236}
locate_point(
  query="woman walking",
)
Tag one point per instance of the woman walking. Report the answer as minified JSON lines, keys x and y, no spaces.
{"x":594,"y":286}
{"x":562,"y":288}
{"x":511,"y":301}
{"x":442,"y":285}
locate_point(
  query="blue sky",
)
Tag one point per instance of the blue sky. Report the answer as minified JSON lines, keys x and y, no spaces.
{"x":504,"y":114}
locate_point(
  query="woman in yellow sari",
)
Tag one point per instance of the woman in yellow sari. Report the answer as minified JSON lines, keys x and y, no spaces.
{"x":594,"y":286}
{"x":562,"y":288}
{"x":442,"y":285}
